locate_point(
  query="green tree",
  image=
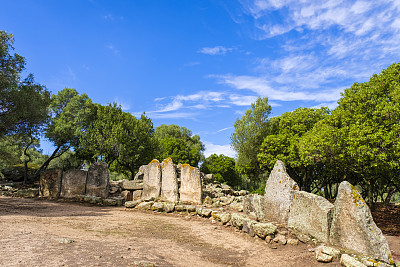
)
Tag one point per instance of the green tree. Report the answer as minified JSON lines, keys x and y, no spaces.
{"x":11,"y":66}
{"x":250,"y":130}
{"x":368,"y":118}
{"x":223,"y":169}
{"x":283,"y":144}
{"x":179,"y":144}
{"x":71,"y":114}
{"x":120,"y":139}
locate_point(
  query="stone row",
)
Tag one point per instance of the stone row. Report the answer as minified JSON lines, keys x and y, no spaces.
{"x":347,"y":223}
{"x":55,"y":183}
{"x":161,"y":181}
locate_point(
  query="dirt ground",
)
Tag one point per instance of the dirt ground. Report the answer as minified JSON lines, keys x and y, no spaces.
{"x":36,"y":233}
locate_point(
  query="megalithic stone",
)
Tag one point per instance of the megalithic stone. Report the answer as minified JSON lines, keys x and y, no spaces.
{"x":73,"y":183}
{"x":353,"y":227}
{"x":279,"y":192}
{"x":98,"y":183}
{"x":311,"y":214}
{"x":190,"y":190}
{"x":50,"y":183}
{"x":152,"y":180}
{"x":169,"y":183}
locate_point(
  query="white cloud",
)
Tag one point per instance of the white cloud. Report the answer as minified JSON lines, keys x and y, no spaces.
{"x":218,"y":149}
{"x":224,"y":129}
{"x":216,"y":50}
{"x":124,"y":106}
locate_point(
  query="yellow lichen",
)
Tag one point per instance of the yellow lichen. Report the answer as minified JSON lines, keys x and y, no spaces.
{"x":279,"y":170}
{"x":357,"y":198}
{"x":153,"y":161}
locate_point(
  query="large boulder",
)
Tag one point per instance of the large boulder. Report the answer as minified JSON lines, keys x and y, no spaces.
{"x":254,"y":203}
{"x":152,"y":180}
{"x":353,"y":227}
{"x":73,"y":183}
{"x":169,"y":184}
{"x":190,"y":190}
{"x":311,"y":214}
{"x":279,"y":192}
{"x":98,"y":182}
{"x":50,"y":183}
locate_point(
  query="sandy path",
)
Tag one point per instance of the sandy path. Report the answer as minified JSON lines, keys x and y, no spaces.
{"x":30,"y":231}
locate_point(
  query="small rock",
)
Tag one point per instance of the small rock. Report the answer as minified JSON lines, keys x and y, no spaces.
{"x":348,"y":261}
{"x":292,"y":241}
{"x":145,"y":205}
{"x":169,"y":207}
{"x":264,"y":229}
{"x":268,"y":239}
{"x":65,"y":241}
{"x":303,"y":238}
{"x":157,"y":206}
{"x":132,"y":204}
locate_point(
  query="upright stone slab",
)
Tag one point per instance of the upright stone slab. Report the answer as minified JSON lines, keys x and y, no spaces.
{"x":73,"y":183}
{"x":279,"y":192}
{"x":169,"y":184}
{"x":50,"y":183}
{"x":190,"y":190}
{"x":311,"y":214}
{"x":353,"y":227}
{"x":140,"y":174}
{"x":254,"y":203}
{"x":98,"y":182}
{"x":152,"y":180}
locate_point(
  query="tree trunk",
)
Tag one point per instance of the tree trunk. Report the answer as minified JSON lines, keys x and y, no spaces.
{"x":26,"y":172}
{"x":390,"y":194}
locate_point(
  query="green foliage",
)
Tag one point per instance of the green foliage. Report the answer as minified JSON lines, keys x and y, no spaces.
{"x":11,"y":66}
{"x":283,"y":143}
{"x":67,"y":161}
{"x":179,"y":144}
{"x":120,"y":139}
{"x":248,"y":136}
{"x":223,"y":169}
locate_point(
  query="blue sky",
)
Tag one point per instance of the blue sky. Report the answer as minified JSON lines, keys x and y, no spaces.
{"x":200,"y":64}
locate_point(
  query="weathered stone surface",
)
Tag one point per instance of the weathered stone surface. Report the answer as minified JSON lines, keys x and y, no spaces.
{"x":137,"y":194}
{"x":204,"y":212}
{"x":354,"y":228}
{"x":110,"y":202}
{"x":237,"y":220}
{"x":237,"y":206}
{"x":190,"y":208}
{"x":93,"y":200}
{"x":140,"y":174}
{"x":190,"y":190}
{"x":132,"y":204}
{"x":50,"y":183}
{"x":169,"y":184}
{"x":145,"y":205}
{"x":254,"y":203}
{"x":248,"y":227}
{"x":158,"y":206}
{"x":73,"y":183}
{"x":180,"y":208}
{"x":98,"y":180}
{"x":349,"y":261}
{"x":223,"y":217}
{"x":311,"y":214}
{"x":279,"y":192}
{"x":264,"y":229}
{"x":292,"y":241}
{"x":127,"y":195}
{"x":169,"y":207}
{"x":152,"y":180}
{"x":132,"y":185}
{"x":326,"y":254}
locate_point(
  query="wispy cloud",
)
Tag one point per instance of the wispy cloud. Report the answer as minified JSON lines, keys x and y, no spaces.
{"x":124,"y":106}
{"x":216,"y":50}
{"x":113,"y":49}
{"x":328,"y":45}
{"x":224,"y":129}
{"x":218,"y":149}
